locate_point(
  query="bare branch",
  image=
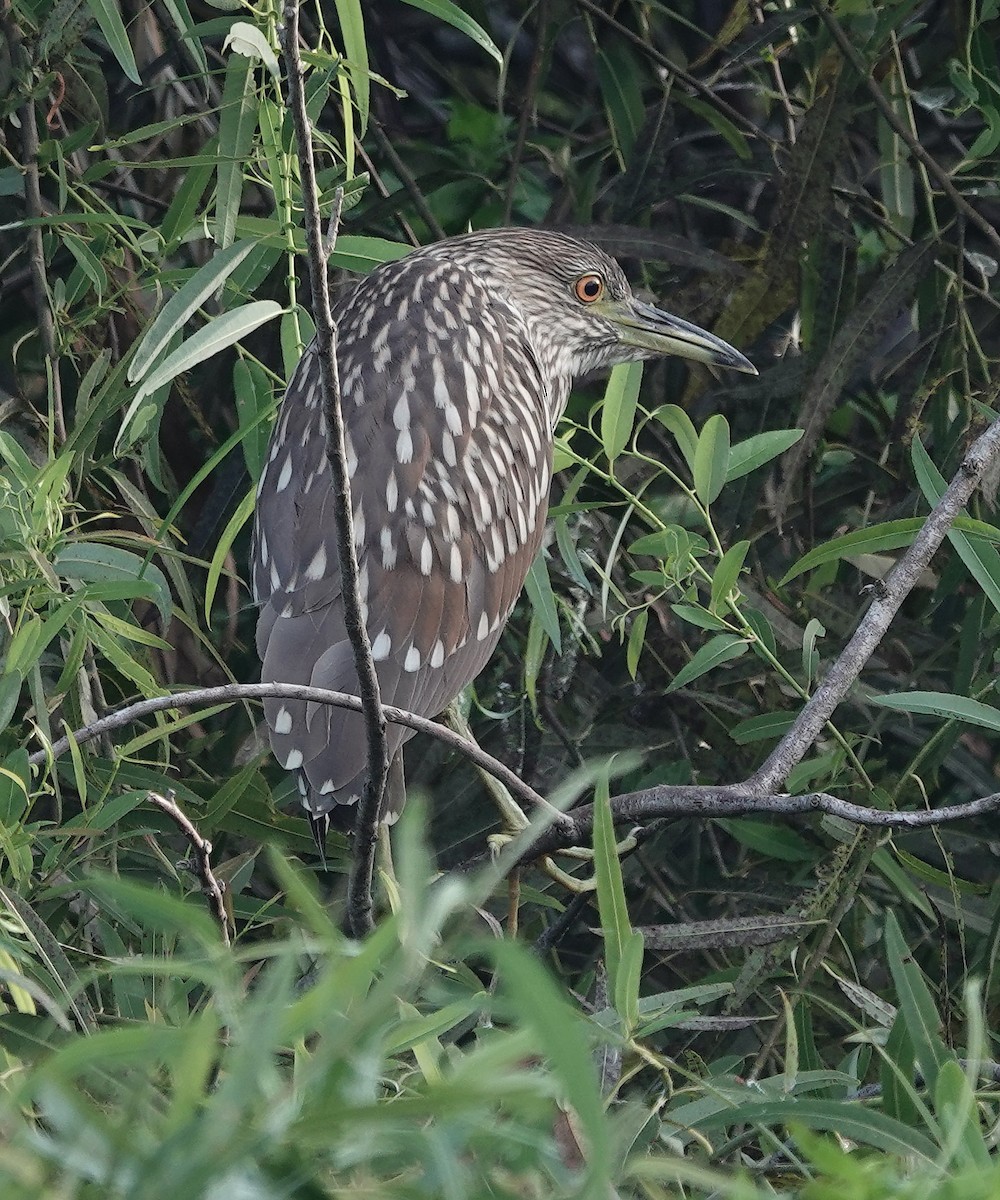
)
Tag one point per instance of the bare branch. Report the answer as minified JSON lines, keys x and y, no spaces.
{"x":873,"y":626}
{"x":202,"y":851}
{"x":369,"y":807}
{"x":231,"y":693}
{"x":891,"y":118}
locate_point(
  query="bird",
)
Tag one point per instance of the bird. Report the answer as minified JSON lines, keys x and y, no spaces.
{"x":455,"y":364}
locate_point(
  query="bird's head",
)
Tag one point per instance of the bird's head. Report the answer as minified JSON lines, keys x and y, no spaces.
{"x":580,"y":308}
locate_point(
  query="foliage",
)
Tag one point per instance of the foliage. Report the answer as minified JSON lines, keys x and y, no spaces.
{"x":741,"y":1007}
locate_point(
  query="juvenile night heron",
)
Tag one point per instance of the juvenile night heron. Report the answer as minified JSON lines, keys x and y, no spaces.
{"x":455,"y":365}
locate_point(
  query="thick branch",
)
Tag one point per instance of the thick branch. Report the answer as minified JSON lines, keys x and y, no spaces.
{"x":366,"y":828}
{"x":739,"y":800}
{"x":873,"y":626}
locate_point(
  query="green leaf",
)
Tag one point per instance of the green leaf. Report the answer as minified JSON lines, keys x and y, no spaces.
{"x":942,"y":704}
{"x":726,"y":575}
{"x":957,"y":1109}
{"x":450,"y":13}
{"x":698,"y":616}
{"x":922,"y":1020}
{"x":636,"y":640}
{"x":711,"y":459}
{"x":172,"y":318}
{"x":680,"y":425}
{"x":747,"y":456}
{"x":981,"y":559}
{"x":616,"y":926}
{"x":621,"y":398}
{"x":107,"y":13}
{"x":719,"y":650}
{"x":892,"y":535}
{"x":352,"y":30}
{"x":543,"y":601}
{"x":220,"y":333}
{"x":761,"y":728}
{"x":94,"y":562}
{"x":237,"y":122}
{"x":235,"y":523}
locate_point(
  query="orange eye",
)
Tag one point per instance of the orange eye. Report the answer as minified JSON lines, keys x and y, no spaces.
{"x":589,"y":288}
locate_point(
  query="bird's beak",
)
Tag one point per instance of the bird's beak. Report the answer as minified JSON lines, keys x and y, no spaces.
{"x":659,"y":332}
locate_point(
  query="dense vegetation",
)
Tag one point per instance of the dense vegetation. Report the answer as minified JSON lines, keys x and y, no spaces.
{"x":808,"y":1007}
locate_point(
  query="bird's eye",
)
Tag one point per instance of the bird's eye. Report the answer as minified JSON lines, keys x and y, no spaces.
{"x":589,"y":288}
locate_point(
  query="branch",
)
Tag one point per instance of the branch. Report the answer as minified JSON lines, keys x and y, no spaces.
{"x":873,"y":626}
{"x":231,"y":693}
{"x":890,"y":117}
{"x":369,"y":807}
{"x":736,"y":800}
{"x":21,"y":62}
{"x":202,"y":848}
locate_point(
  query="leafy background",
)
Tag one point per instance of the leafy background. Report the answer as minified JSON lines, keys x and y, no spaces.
{"x":807,"y":1009}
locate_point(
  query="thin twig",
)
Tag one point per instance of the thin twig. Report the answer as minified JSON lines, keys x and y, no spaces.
{"x":232,"y":693}
{"x":370,"y":805}
{"x":202,"y":851}
{"x":33,"y":209}
{"x":528,"y":103}
{"x":888,"y":114}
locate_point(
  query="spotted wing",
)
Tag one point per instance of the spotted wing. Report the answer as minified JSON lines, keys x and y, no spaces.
{"x":449,"y":451}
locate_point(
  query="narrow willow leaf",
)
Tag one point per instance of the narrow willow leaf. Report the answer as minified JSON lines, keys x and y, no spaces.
{"x":616,"y":926}
{"x":352,"y":30}
{"x":981,"y":559}
{"x":923,"y":1022}
{"x":942,"y":704}
{"x":711,"y":459}
{"x":446,"y":11}
{"x":761,"y":728}
{"x":719,"y":650}
{"x":248,"y":40}
{"x":216,"y":335}
{"x":636,"y":640}
{"x":237,"y":122}
{"x":174,"y":315}
{"x":95,"y":562}
{"x":235,"y":523}
{"x":543,"y":601}
{"x":107,"y":13}
{"x":621,"y":397}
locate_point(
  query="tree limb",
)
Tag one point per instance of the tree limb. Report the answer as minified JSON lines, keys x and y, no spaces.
{"x":370,"y":804}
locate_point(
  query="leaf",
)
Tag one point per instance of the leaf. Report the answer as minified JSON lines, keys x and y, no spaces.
{"x":711,"y":459}
{"x":107,"y":13}
{"x":352,"y":30}
{"x":248,"y":40}
{"x":235,"y":523}
{"x":761,"y":728}
{"x":942,"y":704}
{"x":94,"y":562}
{"x":237,"y":122}
{"x":621,"y":398}
{"x":543,"y":601}
{"x":172,"y":318}
{"x":720,"y":649}
{"x":681,"y":426}
{"x":922,"y":1020}
{"x":748,"y":455}
{"x":218,"y":334}
{"x":636,"y":640}
{"x":450,"y":13}
{"x":616,"y":926}
{"x":726,"y":575}
{"x":981,"y":559}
